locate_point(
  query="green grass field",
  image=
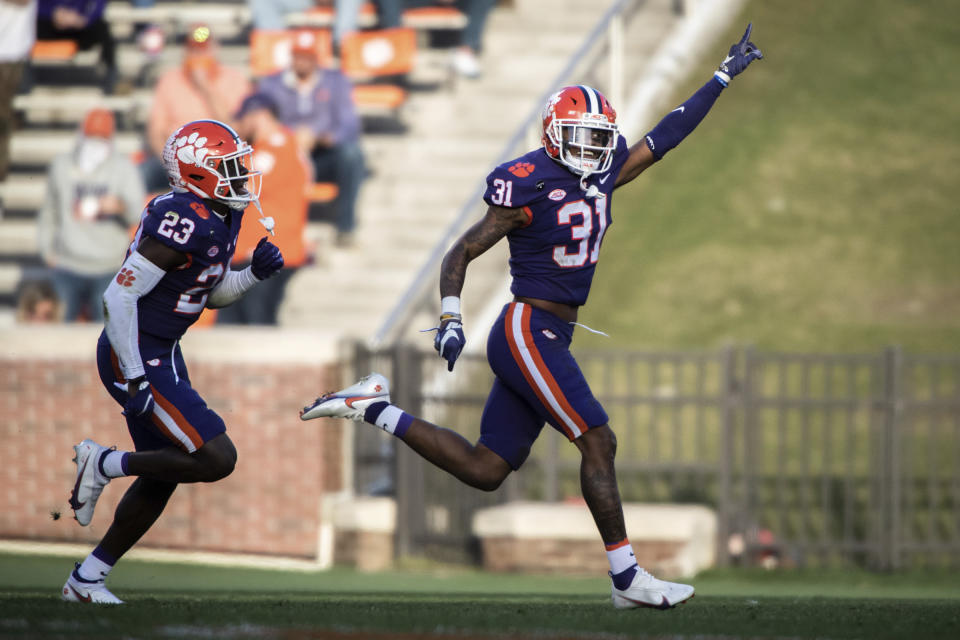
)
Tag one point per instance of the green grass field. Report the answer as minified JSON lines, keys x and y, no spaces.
{"x":176,"y":601}
{"x":815,"y":208}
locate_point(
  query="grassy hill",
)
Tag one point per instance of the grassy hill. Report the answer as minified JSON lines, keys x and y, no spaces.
{"x":816,"y":208}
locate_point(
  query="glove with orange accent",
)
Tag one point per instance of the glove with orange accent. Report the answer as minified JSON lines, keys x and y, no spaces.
{"x":449,"y":340}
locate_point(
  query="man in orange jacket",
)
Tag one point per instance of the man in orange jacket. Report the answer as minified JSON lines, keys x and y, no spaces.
{"x":286,"y":175}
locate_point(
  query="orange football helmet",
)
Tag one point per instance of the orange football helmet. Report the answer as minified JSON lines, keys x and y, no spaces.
{"x":208,"y":158}
{"x":580,"y":129}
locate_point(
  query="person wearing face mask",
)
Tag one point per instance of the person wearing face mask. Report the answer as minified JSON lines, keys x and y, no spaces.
{"x":94,"y":195}
{"x":200,"y":88}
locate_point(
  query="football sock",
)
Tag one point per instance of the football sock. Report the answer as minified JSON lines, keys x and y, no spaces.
{"x":97,"y":565}
{"x":388,"y":417}
{"x":113,"y":464}
{"x":623,"y":564}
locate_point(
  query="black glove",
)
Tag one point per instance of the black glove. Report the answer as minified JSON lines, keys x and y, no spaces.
{"x":266,"y":260}
{"x":140,"y":402}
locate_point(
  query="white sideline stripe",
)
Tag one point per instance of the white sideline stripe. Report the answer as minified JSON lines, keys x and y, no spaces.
{"x":174,"y":428}
{"x":173,"y":556}
{"x":517,"y":327}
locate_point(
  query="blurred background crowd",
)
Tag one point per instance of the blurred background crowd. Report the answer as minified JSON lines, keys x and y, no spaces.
{"x":293,"y":77}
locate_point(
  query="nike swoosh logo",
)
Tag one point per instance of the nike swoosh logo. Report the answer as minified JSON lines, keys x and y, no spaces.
{"x":349,"y":401}
{"x":680,"y":109}
{"x":82,"y":598}
{"x":73,"y":495}
{"x":665,"y":604}
{"x":727,"y":59}
{"x":604,"y":178}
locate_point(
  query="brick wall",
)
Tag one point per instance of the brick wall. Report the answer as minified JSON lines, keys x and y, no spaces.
{"x":270,"y":504}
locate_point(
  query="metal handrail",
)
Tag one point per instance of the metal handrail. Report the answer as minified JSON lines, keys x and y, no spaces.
{"x":417,"y":289}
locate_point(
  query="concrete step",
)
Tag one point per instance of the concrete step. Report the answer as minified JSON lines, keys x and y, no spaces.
{"x":23,"y":191}
{"x":33,"y":146}
{"x":18,"y":237}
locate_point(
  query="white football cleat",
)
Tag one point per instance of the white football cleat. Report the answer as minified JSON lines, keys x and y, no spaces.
{"x":647,"y":591}
{"x":90,"y":482}
{"x":351,"y":402}
{"x":77,"y":589}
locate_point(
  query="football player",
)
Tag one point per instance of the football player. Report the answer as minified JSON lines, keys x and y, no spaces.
{"x":553,"y":205}
{"x":178,"y":263}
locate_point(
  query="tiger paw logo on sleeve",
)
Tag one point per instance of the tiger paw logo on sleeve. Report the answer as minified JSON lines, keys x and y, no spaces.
{"x":125,"y":278}
{"x":522,"y":169}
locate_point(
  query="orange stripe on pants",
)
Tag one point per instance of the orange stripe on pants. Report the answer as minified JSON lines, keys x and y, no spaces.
{"x":542,"y":370}
{"x":174,"y":413}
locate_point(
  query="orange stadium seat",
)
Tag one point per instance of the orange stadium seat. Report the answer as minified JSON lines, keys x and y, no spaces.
{"x":380,"y":96}
{"x":366,"y":55}
{"x":53,"y":50}
{"x":434,"y":18}
{"x":324,"y":14}
{"x":384,"y":52}
{"x":322,"y":191}
{"x":270,"y":49}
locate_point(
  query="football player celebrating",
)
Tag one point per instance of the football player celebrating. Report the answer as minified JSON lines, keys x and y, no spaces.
{"x":177,"y":264}
{"x":553,"y":205}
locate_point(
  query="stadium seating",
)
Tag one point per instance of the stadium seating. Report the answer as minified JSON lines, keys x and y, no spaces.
{"x":64,"y":90}
{"x":270,"y":50}
{"x":53,"y":51}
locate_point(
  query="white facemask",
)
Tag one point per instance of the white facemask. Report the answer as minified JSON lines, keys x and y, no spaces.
{"x":92,"y":152}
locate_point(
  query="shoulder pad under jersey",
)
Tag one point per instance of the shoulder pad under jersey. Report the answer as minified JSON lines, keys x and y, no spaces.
{"x":517,"y":183}
{"x":177,"y":220}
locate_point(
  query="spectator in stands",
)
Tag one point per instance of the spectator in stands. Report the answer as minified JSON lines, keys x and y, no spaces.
{"x":200,"y":88}
{"x":317,"y":104}
{"x":94,"y":196}
{"x":465,"y":59}
{"x":81,"y":21}
{"x":37,"y":303}
{"x":286,"y":174}
{"x":272,"y":14}
{"x":18,"y":26}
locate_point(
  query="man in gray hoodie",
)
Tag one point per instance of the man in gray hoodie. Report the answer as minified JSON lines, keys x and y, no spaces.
{"x":94,"y":196}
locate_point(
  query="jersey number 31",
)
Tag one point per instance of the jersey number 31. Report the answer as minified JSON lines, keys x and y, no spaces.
{"x":581,"y":232}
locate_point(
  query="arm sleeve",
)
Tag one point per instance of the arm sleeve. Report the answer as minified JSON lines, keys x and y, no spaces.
{"x":231,"y":288}
{"x":137,"y":277}
{"x":679,"y":123}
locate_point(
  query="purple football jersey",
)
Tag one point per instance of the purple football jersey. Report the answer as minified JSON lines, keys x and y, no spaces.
{"x":554,"y":256}
{"x":183,"y":222}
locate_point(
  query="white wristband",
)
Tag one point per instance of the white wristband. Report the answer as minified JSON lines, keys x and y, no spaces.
{"x":450,"y":304}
